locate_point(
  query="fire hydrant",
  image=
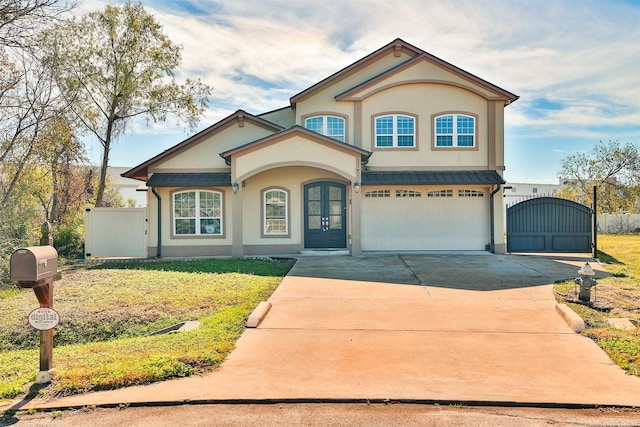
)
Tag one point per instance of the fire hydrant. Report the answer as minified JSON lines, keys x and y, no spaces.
{"x":586,"y":281}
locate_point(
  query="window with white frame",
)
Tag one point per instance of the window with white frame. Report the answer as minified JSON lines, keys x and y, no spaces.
{"x":470,"y":193}
{"x":395,"y":130}
{"x":455,"y":130}
{"x":378,"y":194}
{"x":276,"y":218}
{"x":440,"y":193}
{"x":408,"y":193}
{"x":331,"y":126}
{"x":197,"y":213}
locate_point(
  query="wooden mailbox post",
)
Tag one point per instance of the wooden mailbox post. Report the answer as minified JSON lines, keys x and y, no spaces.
{"x":36,"y":267}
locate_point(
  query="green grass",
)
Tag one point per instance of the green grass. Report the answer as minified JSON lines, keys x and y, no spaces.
{"x":615,"y":297}
{"x":108,"y":310}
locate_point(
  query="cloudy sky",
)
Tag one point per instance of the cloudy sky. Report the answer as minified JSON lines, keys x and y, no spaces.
{"x":574,"y":63}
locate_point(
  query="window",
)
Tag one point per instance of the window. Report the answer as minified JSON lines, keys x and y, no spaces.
{"x":395,"y":130}
{"x":455,"y":130}
{"x":378,"y":193}
{"x":407,"y":193}
{"x":330,"y":126}
{"x":470,"y":193}
{"x":197,"y":213}
{"x":440,"y":193}
{"x":276,"y":218}
{"x":534,"y":190}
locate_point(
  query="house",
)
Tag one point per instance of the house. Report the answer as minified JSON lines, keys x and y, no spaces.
{"x":399,"y":151}
{"x":133,"y":192}
{"x":518,"y":191}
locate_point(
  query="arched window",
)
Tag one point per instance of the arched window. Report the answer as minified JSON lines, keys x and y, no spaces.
{"x":455,"y":130}
{"x":331,"y":126}
{"x":275,"y":212}
{"x":395,"y":130}
{"x":197,"y":213}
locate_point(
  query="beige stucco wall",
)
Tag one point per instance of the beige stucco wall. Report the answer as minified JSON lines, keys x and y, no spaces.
{"x":167,"y":221}
{"x":423,"y":101}
{"x":324,"y":101}
{"x":292,"y":179}
{"x":295,"y":150}
{"x":205,"y":156}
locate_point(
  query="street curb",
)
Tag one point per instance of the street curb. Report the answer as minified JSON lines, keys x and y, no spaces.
{"x":574,"y":321}
{"x":258,"y":314}
{"x":272,"y":401}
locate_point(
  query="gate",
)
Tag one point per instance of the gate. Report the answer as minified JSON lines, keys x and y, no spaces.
{"x":115,"y":232}
{"x":549,"y":224}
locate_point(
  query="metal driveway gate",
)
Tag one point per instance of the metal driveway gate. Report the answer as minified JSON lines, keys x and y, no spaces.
{"x":549,"y":224}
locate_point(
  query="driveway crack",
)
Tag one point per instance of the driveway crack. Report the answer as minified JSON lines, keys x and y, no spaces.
{"x":422,"y":283}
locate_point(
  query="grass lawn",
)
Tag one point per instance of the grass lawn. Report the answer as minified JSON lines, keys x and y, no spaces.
{"x":107,"y":312}
{"x":615,"y":297}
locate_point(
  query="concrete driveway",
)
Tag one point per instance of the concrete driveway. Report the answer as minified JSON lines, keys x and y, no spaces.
{"x":473,"y":328}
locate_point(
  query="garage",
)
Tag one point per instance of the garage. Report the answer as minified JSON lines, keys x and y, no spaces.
{"x":412,"y":217}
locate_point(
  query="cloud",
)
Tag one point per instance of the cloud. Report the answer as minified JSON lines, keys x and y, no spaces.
{"x":573,"y":63}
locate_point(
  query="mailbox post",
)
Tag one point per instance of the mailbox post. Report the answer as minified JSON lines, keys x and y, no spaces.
{"x":36,"y":267}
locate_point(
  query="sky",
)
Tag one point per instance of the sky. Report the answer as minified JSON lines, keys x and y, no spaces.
{"x":574,"y":63}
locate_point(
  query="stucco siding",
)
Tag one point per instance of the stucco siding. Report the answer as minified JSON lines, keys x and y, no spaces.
{"x":295,"y":151}
{"x":170,"y":240}
{"x":423,"y":101}
{"x":205,"y":156}
{"x":292,"y":179}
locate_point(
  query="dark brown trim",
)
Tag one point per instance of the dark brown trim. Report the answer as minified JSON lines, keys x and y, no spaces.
{"x":140,"y":172}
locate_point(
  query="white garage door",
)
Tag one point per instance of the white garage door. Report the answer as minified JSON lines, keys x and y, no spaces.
{"x":425,"y":218}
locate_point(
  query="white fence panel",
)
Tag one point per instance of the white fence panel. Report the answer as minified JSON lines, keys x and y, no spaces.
{"x":115,"y":232}
{"x":618,"y":223}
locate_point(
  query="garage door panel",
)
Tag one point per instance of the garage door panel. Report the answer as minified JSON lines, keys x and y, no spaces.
{"x":425,"y":223}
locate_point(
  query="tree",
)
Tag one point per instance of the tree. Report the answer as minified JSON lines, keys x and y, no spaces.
{"x":116,"y":65}
{"x":612,"y":167}
{"x":20,"y":19}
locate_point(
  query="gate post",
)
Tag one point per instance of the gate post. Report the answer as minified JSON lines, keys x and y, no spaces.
{"x":594,"y":224}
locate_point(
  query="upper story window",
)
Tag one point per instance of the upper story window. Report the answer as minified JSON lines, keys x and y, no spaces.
{"x":395,"y":130}
{"x":197,"y":213}
{"x":331,"y":126}
{"x":455,"y":130}
{"x":276,"y":212}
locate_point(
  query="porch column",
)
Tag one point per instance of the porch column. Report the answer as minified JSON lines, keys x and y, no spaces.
{"x":237,"y":249}
{"x":356,"y":225}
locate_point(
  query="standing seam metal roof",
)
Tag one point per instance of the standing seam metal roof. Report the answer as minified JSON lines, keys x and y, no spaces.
{"x":432,"y":178}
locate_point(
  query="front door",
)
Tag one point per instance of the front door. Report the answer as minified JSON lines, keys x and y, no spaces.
{"x":325,"y":214}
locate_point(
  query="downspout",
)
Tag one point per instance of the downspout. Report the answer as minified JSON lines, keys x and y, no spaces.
{"x":155,"y":193}
{"x":492,"y":247}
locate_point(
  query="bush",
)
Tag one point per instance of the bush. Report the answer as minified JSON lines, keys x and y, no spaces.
{"x":68,"y":241}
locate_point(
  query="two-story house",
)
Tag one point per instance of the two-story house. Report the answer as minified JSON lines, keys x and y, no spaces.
{"x":400,"y":151}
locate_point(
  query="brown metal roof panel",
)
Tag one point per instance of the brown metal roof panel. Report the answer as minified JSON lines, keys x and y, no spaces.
{"x":189,"y":180}
{"x":431,"y":178}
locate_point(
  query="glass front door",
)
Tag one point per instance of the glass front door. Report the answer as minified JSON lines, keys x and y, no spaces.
{"x":325,"y":212}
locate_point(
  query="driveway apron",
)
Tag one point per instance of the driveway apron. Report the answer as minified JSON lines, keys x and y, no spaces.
{"x":470,"y":328}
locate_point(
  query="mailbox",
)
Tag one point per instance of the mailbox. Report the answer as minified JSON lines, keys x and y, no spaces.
{"x":34,"y":265}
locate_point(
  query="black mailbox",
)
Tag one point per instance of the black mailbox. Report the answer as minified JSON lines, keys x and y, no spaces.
{"x":34,"y":265}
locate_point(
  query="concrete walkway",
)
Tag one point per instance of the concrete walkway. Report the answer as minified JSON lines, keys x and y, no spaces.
{"x":474,"y":328}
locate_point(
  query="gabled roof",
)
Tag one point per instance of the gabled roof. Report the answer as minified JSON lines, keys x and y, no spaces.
{"x":399,"y":45}
{"x":499,"y":92}
{"x":300,"y":131}
{"x":431,"y":178}
{"x":141,"y":171}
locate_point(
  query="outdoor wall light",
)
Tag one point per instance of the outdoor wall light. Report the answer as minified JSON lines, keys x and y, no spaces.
{"x":356,"y":186}
{"x":235,"y":187}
